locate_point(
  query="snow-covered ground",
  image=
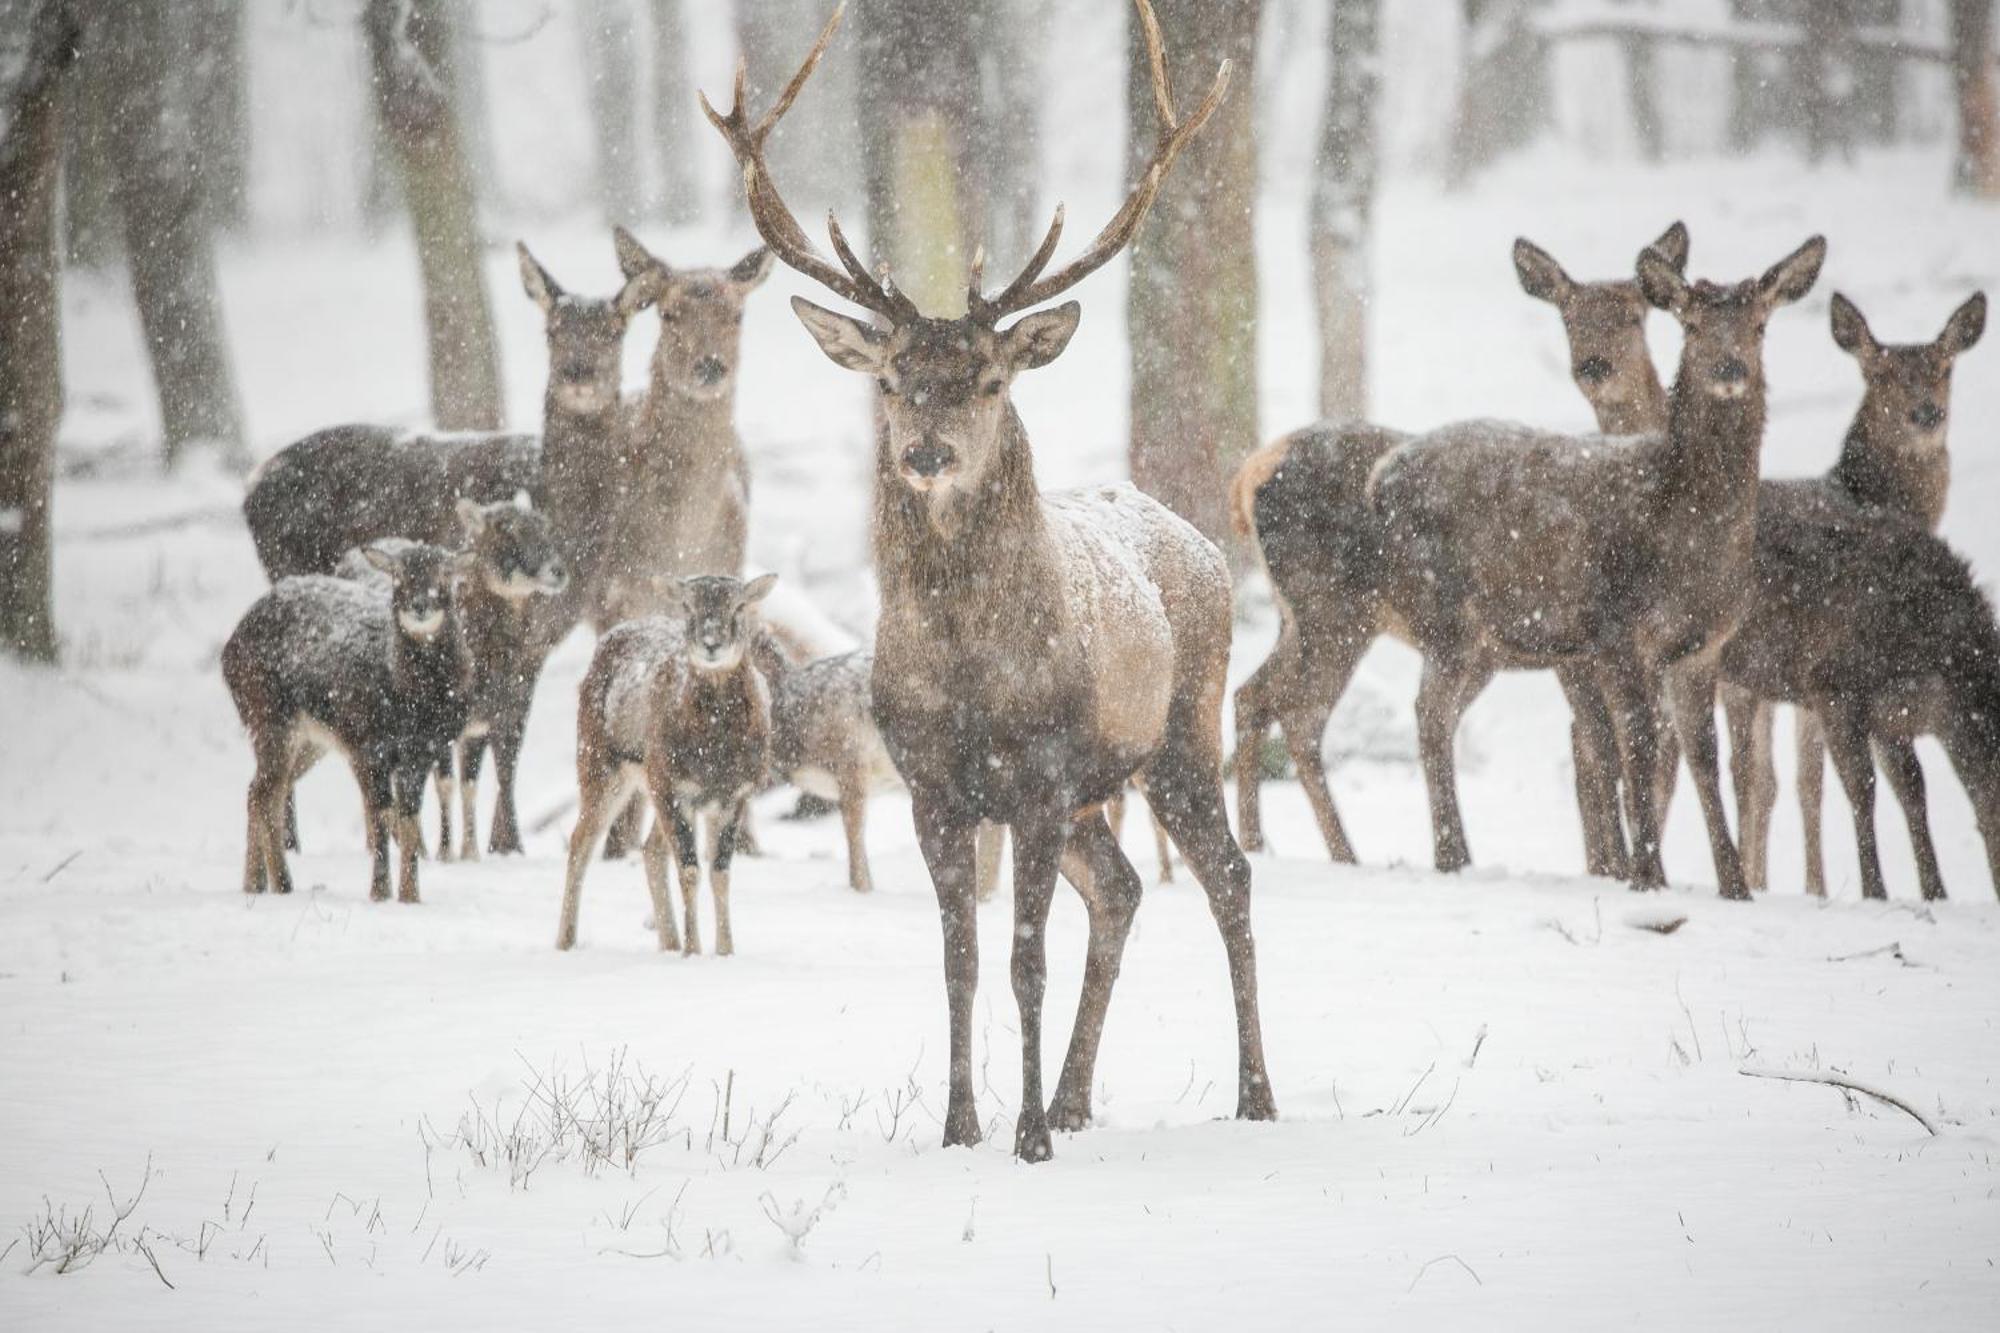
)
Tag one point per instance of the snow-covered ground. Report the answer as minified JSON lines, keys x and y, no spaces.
{"x":1503,"y":1101}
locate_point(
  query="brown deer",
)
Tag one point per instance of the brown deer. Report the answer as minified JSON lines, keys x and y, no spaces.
{"x":824,"y":741}
{"x":1304,"y":499}
{"x":1033,"y":652}
{"x":1865,"y":618}
{"x":674,"y":704}
{"x":1894,"y":457}
{"x":322,"y":663}
{"x":1508,"y":547}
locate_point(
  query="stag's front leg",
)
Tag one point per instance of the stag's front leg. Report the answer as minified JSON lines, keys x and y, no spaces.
{"x":1691,"y":685}
{"x":1038,"y":848}
{"x":948,"y":842}
{"x":1111,"y":891}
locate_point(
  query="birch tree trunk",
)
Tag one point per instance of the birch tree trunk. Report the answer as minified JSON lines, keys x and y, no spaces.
{"x":410,"y":48}
{"x":1191,"y":310}
{"x":47,"y":33}
{"x":1343,"y":206}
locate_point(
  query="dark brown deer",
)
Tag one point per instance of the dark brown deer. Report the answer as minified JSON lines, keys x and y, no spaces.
{"x":1894,"y":457}
{"x":1303,"y":497}
{"x":347,"y":486}
{"x":824,"y":741}
{"x":1509,"y":547}
{"x":1865,"y":618}
{"x":1033,"y":652}
{"x":674,"y":704}
{"x":322,"y":663}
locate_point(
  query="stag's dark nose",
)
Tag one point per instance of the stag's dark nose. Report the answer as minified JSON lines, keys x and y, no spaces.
{"x":1927,"y":416}
{"x":1592,"y":369}
{"x":1729,"y":370}
{"x":710,"y":370}
{"x":927,"y":459}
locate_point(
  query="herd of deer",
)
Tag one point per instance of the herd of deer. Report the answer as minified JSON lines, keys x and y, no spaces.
{"x":1036,"y":653}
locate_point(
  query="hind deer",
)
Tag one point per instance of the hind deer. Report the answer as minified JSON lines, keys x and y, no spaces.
{"x":1034,"y":651}
{"x":1303,"y":498}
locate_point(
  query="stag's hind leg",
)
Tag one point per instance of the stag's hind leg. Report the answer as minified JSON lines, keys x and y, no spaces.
{"x":1110,"y":889}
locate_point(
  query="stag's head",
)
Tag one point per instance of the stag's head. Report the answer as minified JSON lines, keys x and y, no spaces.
{"x":1722,"y":351}
{"x":1605,"y":322}
{"x":1909,"y":386}
{"x":944,"y":381}
{"x":586,"y":336}
{"x":701,"y":315}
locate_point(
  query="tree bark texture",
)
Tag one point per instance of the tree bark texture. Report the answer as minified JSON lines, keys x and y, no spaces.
{"x":1343,"y":206}
{"x":674,"y":115}
{"x":1977,"y":170}
{"x":611,"y":79}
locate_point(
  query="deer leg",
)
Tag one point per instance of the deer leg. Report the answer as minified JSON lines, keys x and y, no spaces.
{"x":727,"y":837}
{"x":1110,"y":891}
{"x":1898,"y":756}
{"x":1440,"y":703}
{"x":1593,"y":746}
{"x":1185,"y":788}
{"x":657,"y":856}
{"x":1161,"y":844}
{"x":854,"y":822}
{"x":1306,"y":704}
{"x":1754,"y":779}
{"x":378,"y":806}
{"x":471,"y":756}
{"x":409,"y":794}
{"x":508,"y":731}
{"x":991,"y":840}
{"x":1254,"y":716}
{"x":1632,"y":695}
{"x":1809,"y":741}
{"x":1114,"y":813}
{"x":1691,"y":684}
{"x":254,"y":873}
{"x":1847,"y":742}
{"x":600,"y":796}
{"x":746,"y":835}
{"x":687,"y":863}
{"x":948,"y":843}
{"x":444,"y":777}
{"x":626,"y":827}
{"x":1038,"y":849}
{"x":264,"y":861}
{"x":291,"y":819}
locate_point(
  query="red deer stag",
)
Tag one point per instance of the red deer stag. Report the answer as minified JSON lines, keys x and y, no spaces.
{"x":1034,"y":652}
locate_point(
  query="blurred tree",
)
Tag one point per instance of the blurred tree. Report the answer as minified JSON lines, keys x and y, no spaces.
{"x":89,"y":217}
{"x":817,"y":155}
{"x":1191,"y":311}
{"x":1343,"y":206}
{"x":1007,"y":42}
{"x":673,"y":116}
{"x":1642,"y":90}
{"x":469,"y":97}
{"x":152,"y":53}
{"x":1503,"y":95}
{"x":1977,"y":170}
{"x":222,"y":91}
{"x":611,"y":80}
{"x":410,"y":49}
{"x":38,"y":42}
{"x":918,"y":96}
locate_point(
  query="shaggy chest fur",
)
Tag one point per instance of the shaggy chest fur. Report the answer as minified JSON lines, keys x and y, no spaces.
{"x":710,"y":731}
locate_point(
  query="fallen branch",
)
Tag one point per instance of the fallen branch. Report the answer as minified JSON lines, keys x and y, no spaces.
{"x":1841,"y":1081}
{"x":1428,"y":1263}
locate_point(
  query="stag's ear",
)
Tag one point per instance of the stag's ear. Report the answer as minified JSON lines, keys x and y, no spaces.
{"x":1850,"y":329}
{"x":1793,"y":276}
{"x":380,"y":559}
{"x":471,"y":516}
{"x":750,"y":271}
{"x":757,"y":589}
{"x":1962,"y":330}
{"x":1673,"y":246}
{"x":846,"y":341}
{"x":634,"y":258}
{"x":1661,"y":283}
{"x":1038,"y":338}
{"x":1541,"y":276}
{"x":542,"y":289}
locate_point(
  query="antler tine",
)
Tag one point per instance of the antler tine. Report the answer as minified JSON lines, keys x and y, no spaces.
{"x":1029,"y":290}
{"x":904,"y":307}
{"x":769,"y":212}
{"x":1003,"y":302}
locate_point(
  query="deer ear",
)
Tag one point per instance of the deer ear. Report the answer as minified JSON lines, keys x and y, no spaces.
{"x":1541,"y":276}
{"x":1661,"y":283}
{"x":471,"y":516}
{"x":1673,"y":246}
{"x":1793,"y":276}
{"x":640,"y":290}
{"x":757,"y":589}
{"x":542,"y":289}
{"x":750,"y":271}
{"x":380,"y":559}
{"x":1036,"y":339}
{"x":1962,"y":330}
{"x":634,"y":258}
{"x":846,"y":340}
{"x":1850,"y":328}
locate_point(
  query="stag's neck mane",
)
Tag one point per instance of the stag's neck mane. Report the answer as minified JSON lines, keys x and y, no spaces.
{"x":979,"y":554}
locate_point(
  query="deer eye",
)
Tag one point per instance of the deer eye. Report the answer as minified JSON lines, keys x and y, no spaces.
{"x":991,"y":388}
{"x":882,"y":383}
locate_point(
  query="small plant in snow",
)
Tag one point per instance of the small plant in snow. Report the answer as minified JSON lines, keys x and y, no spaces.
{"x":68,"y":1242}
{"x":797,"y":1222}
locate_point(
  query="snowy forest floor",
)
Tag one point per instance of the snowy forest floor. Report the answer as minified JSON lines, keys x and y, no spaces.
{"x":1503,"y":1101}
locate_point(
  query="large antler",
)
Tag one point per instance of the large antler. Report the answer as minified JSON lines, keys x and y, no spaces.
{"x":1028,"y":288}
{"x":773,"y":217}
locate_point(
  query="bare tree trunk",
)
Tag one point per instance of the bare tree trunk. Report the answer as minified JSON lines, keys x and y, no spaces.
{"x":156,"y":181}
{"x":673,"y":115}
{"x":89,"y":216}
{"x":1343,"y":206}
{"x":817,"y":157}
{"x":1503,"y":96}
{"x":1642,"y":88}
{"x":222,"y":142}
{"x":611,"y":78}
{"x":1977,"y":171}
{"x":918,"y":94}
{"x":39,"y":38}
{"x":1007,"y":41}
{"x":1191,"y":311}
{"x":410,"y":46}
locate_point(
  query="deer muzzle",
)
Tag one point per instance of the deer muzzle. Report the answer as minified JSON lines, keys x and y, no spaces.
{"x":925,"y":464}
{"x":1927,"y":416}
